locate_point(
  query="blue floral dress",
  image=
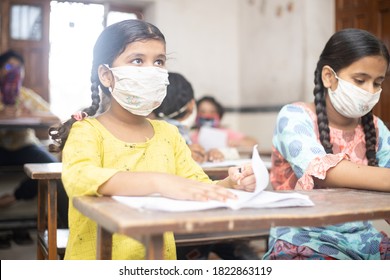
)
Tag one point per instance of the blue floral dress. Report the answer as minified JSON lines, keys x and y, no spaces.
{"x":298,"y":156}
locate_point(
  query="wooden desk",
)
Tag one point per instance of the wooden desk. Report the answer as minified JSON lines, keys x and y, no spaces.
{"x":46,"y":174}
{"x":22,"y":123}
{"x":332,"y":206}
{"x":221,"y":172}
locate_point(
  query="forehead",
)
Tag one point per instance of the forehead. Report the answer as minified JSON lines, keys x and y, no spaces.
{"x":146,"y":47}
{"x":375,"y":66}
{"x":13,"y":62}
{"x":207,"y":106}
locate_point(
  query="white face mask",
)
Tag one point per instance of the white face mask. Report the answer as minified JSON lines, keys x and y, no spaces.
{"x":352,"y":101}
{"x":139,"y":90}
{"x":190,"y":120}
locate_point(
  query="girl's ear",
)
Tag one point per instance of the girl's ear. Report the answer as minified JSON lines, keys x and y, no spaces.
{"x":105,"y":76}
{"x":191,"y":104}
{"x":327,"y":76}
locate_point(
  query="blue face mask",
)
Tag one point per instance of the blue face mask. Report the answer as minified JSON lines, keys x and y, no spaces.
{"x":210,"y":121}
{"x":10,"y":86}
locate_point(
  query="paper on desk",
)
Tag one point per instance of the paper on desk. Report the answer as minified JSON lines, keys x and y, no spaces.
{"x":257,"y":199}
{"x":212,"y":138}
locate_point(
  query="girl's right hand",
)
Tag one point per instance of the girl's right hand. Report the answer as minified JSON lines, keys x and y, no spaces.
{"x":181,"y":188}
{"x":198,"y":153}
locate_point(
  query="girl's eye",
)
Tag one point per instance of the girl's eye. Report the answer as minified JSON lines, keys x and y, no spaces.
{"x":159,"y":62}
{"x":359,"y":82}
{"x":137,"y":61}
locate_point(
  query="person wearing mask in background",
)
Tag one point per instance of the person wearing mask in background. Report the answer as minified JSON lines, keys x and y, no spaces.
{"x":20,"y":146}
{"x":179,"y":109}
{"x":210,"y":113}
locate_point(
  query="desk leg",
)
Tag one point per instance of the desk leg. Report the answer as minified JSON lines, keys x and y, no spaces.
{"x":41,"y":222}
{"x":104,"y":244}
{"x":154,"y":246}
{"x":52,"y":220}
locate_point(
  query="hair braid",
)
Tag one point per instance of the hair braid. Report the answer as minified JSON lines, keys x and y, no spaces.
{"x":322,"y":117}
{"x":370,"y":137}
{"x":60,"y":133}
{"x":91,"y":110}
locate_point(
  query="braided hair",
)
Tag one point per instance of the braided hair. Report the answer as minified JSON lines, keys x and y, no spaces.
{"x":109,"y":45}
{"x":344,"y":48}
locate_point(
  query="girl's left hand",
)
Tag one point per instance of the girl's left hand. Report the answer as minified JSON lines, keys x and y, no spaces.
{"x":242,"y":178}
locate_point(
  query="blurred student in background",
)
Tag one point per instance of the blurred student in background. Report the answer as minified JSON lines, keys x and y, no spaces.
{"x":20,"y":146}
{"x":210,"y":113}
{"x":179,"y":109}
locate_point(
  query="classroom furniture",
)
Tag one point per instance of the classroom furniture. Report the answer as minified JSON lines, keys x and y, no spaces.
{"x":25,"y":122}
{"x":49,"y":237}
{"x":332,"y":206}
{"x":219,"y":170}
{"x":22,"y":214}
{"x":52,"y":241}
{"x":27,"y":219}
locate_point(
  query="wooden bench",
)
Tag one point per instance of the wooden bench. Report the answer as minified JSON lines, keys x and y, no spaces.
{"x":48,"y":238}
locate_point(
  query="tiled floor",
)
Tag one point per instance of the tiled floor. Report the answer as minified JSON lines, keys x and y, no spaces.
{"x":20,"y":252}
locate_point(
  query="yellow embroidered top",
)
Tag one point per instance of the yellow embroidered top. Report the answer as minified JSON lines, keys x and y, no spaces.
{"x":16,"y":139}
{"x":92,"y":155}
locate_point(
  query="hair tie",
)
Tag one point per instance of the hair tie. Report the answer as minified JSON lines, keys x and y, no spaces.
{"x":80,"y":116}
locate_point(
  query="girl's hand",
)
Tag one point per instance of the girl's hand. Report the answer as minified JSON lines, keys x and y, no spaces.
{"x":215,"y":155}
{"x":186,"y":189}
{"x":198,"y":153}
{"x":242,"y":178}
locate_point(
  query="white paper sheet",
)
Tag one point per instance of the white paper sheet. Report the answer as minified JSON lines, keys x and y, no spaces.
{"x":212,"y":138}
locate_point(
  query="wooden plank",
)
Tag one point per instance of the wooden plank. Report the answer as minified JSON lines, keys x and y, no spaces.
{"x":43,"y":171}
{"x":331,"y":206}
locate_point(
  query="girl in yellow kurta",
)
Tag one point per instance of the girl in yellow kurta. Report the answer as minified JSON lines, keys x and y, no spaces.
{"x":122,"y":152}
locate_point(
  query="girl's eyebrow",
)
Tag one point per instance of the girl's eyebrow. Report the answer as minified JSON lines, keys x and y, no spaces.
{"x":135,"y":55}
{"x":367,"y":75}
{"x":162,"y":56}
{"x":132,"y":55}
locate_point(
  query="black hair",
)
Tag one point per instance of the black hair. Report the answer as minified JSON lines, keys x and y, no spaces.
{"x":109,"y":45}
{"x":218,"y":106}
{"x":4,"y":57}
{"x":344,"y":48}
{"x":179,"y":93}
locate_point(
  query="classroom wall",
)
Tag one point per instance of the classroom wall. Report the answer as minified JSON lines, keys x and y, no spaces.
{"x":250,"y":53}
